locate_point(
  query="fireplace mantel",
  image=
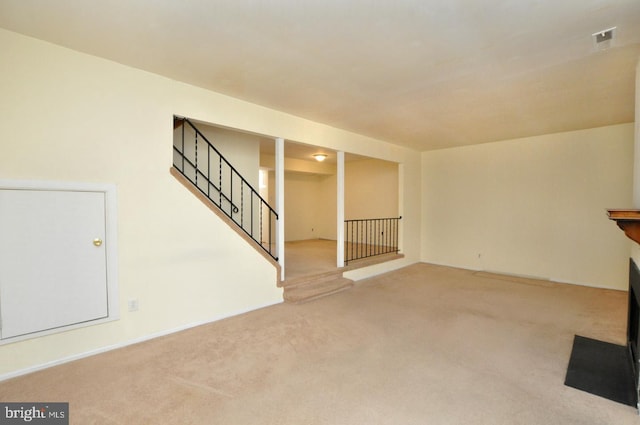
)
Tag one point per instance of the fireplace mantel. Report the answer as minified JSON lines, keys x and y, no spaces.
{"x":628,"y":221}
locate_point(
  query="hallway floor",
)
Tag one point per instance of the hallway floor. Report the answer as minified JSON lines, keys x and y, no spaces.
{"x":315,"y":256}
{"x":421,"y":345}
{"x":309,"y":257}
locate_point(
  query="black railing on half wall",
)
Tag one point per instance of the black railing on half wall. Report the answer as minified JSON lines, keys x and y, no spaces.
{"x":210,"y":172}
{"x":370,"y":237}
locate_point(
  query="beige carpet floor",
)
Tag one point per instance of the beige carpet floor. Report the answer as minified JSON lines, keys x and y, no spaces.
{"x":316,"y":256}
{"x":309,"y":257}
{"x":422,"y":345}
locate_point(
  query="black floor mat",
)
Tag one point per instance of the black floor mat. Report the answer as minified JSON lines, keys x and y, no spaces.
{"x":603,"y":369}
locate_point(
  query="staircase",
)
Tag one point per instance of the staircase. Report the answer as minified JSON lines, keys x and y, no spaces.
{"x":199,"y":166}
{"x":301,"y":289}
{"x":307,"y":288}
{"x":204,"y":171}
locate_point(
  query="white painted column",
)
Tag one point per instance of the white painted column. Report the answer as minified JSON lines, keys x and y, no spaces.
{"x":340,"y":212}
{"x":636,"y":161}
{"x":400,"y":207}
{"x":635,"y":248}
{"x":280,"y":203}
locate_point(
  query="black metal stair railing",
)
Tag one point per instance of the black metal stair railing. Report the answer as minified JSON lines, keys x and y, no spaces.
{"x":370,"y":237}
{"x":210,"y":172}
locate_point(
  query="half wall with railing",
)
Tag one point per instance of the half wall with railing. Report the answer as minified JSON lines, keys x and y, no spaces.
{"x":206,"y":168}
{"x":370,"y":237}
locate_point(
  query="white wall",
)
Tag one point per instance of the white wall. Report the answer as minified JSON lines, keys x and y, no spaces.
{"x":73,"y":117}
{"x":242,"y":150}
{"x":328,"y":198}
{"x":371,"y":189}
{"x":310,"y":198}
{"x":303,"y":205}
{"x":533,"y":206}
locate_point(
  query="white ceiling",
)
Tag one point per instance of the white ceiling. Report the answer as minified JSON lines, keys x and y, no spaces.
{"x":425,"y":74}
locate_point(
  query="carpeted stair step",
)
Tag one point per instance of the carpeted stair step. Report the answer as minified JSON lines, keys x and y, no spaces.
{"x":316,"y":278}
{"x":310,"y":289}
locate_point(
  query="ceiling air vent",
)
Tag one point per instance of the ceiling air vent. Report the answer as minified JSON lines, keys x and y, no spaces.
{"x":602,"y":39}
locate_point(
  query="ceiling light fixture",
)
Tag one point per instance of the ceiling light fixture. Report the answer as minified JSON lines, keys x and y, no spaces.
{"x":320,"y":157}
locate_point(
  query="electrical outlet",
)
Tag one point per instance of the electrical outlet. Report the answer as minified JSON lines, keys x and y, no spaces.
{"x":133,"y":304}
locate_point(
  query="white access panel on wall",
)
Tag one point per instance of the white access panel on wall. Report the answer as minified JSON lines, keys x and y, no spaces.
{"x":54,"y":262}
